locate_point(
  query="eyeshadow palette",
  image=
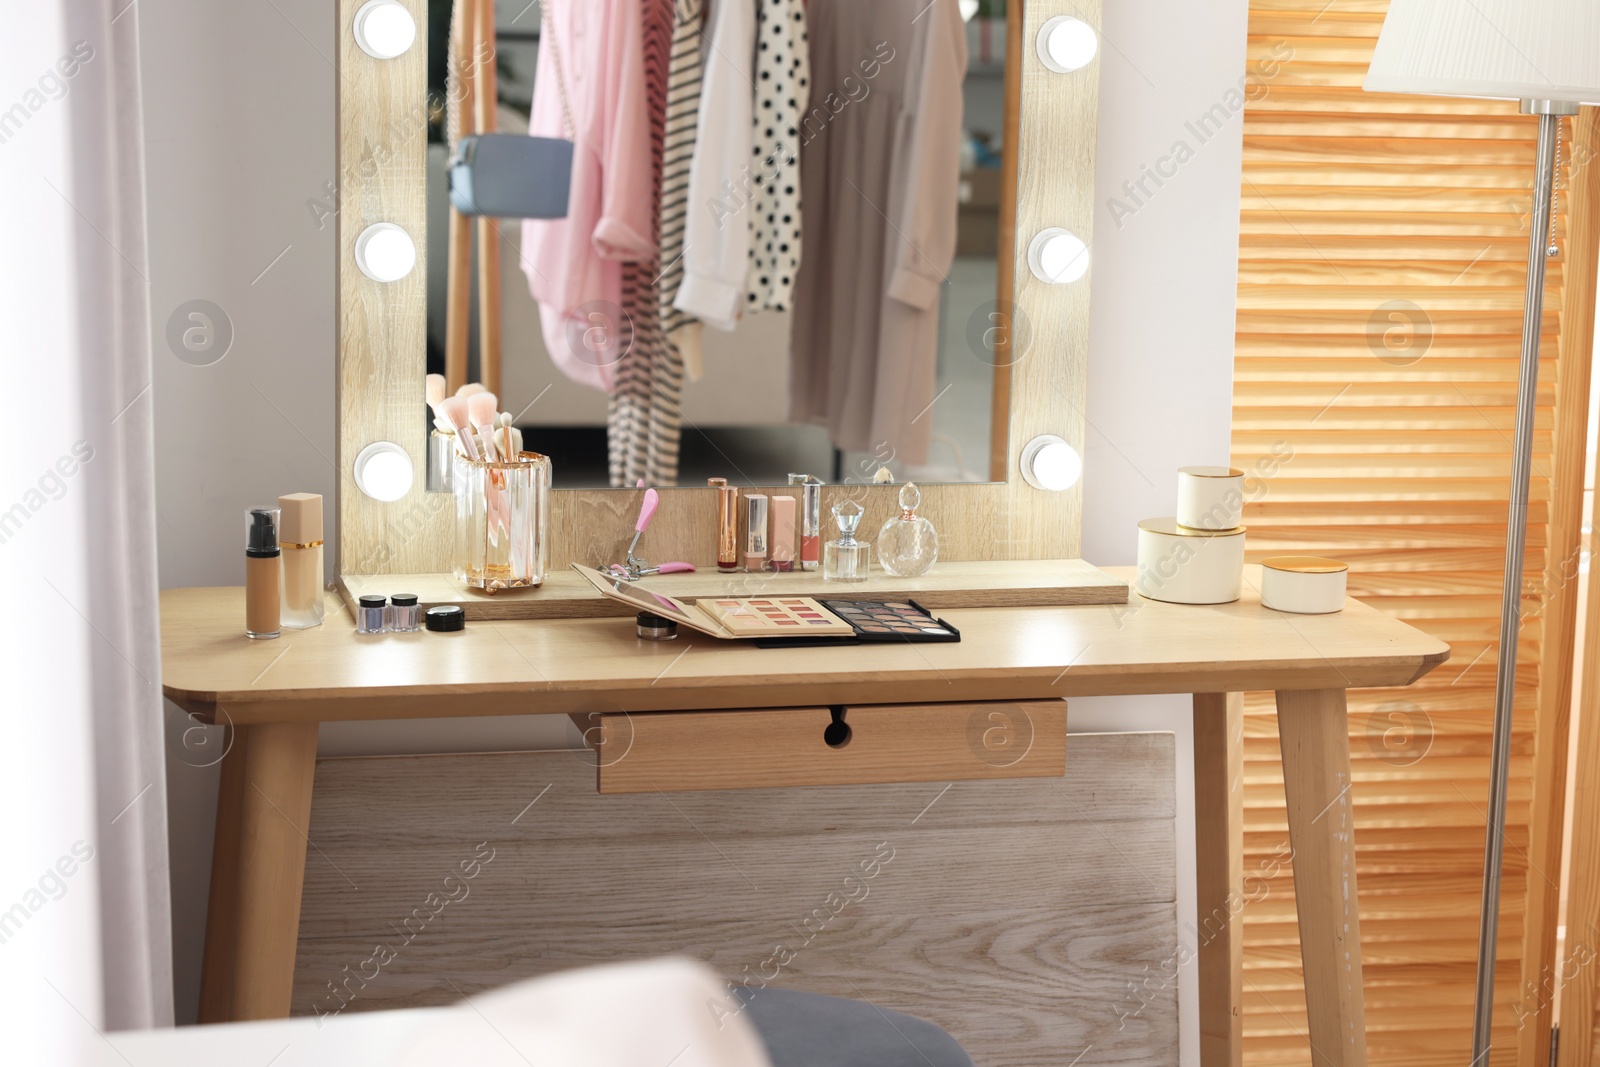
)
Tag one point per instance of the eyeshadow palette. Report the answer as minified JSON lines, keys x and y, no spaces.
{"x":892,"y":620}
{"x":776,"y":616}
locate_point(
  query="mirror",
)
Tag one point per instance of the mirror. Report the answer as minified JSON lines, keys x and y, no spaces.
{"x":842,"y":299}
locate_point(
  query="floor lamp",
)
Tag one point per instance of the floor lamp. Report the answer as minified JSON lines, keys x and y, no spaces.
{"x":1545,"y":53}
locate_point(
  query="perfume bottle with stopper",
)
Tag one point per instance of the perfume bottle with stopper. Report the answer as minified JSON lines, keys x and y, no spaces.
{"x":261,"y":573}
{"x":908,"y":544}
{"x":300,"y":538}
{"x":846,"y":560}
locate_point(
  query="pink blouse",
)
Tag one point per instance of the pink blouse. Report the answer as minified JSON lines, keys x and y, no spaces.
{"x":574,"y":264}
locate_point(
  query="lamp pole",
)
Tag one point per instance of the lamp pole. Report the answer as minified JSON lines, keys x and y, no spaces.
{"x":1550,"y":113}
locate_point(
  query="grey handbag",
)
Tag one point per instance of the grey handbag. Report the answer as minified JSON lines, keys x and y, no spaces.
{"x":511,"y":176}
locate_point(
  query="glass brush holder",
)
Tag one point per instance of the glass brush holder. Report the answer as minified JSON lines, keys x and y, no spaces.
{"x":502,"y":521}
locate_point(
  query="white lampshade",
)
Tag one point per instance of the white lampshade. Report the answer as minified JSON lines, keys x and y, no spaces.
{"x":1504,"y":49}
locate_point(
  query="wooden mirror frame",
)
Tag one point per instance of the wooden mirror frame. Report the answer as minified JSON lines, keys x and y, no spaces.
{"x":382,"y":149}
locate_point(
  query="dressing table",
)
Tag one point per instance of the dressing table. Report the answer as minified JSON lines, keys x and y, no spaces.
{"x":700,"y":714}
{"x":663,"y":700}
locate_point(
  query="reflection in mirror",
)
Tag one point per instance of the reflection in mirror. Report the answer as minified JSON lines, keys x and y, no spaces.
{"x":783,"y":242}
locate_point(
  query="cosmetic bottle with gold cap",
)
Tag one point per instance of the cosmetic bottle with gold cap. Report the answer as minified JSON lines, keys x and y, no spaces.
{"x":300,"y":538}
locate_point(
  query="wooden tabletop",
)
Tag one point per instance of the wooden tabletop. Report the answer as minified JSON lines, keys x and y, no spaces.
{"x":506,"y":668}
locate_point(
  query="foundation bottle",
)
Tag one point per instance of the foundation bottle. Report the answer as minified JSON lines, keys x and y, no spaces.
{"x":261,"y":572}
{"x":300,"y":538}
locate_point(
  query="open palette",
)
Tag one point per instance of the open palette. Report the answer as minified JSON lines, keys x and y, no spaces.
{"x":782,"y":617}
{"x":782,"y":620}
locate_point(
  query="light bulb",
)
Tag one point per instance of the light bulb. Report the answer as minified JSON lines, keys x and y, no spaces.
{"x":1066,"y":44}
{"x":383,"y":471}
{"x":385,"y":252}
{"x":1049,"y":463}
{"x":1057,"y":256}
{"x":384,"y":29}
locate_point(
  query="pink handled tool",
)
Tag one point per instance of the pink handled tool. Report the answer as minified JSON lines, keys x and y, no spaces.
{"x":637,"y":568}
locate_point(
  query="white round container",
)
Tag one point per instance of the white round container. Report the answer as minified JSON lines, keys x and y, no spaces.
{"x":1210,"y":498}
{"x":1305,"y":585}
{"x":1184,"y":566}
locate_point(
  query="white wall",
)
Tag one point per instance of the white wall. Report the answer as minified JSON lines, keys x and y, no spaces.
{"x":1160,"y":325}
{"x":240,"y":135}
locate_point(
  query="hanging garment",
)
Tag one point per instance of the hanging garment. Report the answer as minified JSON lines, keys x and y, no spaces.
{"x":590,"y":85}
{"x":880,"y":166}
{"x":683,"y":107}
{"x":716,"y":255}
{"x":631,"y":452}
{"x":783,"y":90}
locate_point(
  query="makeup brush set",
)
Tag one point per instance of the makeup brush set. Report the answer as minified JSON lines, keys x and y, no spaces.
{"x":482,"y":432}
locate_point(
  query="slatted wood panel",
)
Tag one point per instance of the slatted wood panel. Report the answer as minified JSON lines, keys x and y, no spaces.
{"x":1034,"y":919}
{"x":1396,"y":458}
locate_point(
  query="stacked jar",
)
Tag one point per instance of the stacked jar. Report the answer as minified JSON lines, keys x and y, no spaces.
{"x":1196,"y":556}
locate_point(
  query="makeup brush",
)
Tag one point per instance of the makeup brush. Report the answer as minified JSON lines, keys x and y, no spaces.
{"x":471,"y":388}
{"x":482,"y":409}
{"x":435,"y":388}
{"x":454,"y":409}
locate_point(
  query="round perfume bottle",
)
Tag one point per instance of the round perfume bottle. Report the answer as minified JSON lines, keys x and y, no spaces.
{"x":846,"y":560}
{"x":908,"y":544}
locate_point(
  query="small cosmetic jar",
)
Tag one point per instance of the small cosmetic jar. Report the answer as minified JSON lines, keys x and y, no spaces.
{"x":1210,"y":498}
{"x":653,"y":627}
{"x":445,"y":619}
{"x":1304,"y":585}
{"x":370,"y":614}
{"x":1181,"y":565}
{"x":404,"y":615}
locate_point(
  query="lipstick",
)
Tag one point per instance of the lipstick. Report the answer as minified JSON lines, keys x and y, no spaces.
{"x":783,"y":533}
{"x":755,"y":536}
{"x":727,"y":524}
{"x":810,"y":523}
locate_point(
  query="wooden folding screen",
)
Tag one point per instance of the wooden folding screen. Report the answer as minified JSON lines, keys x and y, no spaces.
{"x":1382,"y":262}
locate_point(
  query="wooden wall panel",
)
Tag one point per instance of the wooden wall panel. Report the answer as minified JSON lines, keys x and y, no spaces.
{"x":1034,"y":919}
{"x":1382,"y":261}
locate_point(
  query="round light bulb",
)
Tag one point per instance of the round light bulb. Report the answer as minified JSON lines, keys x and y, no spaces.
{"x":1066,"y":44}
{"x":385,"y":252}
{"x":384,"y":29}
{"x":1049,"y":463}
{"x":1057,"y":256}
{"x":383,"y":471}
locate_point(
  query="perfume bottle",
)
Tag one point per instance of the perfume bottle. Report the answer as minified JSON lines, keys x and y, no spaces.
{"x":846,"y":560}
{"x":908,"y":544}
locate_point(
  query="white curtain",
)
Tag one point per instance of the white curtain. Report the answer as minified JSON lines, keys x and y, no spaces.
{"x":82,"y":774}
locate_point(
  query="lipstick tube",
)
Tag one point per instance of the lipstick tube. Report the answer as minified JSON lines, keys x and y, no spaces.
{"x":810,"y":524}
{"x":783,"y":533}
{"x":727,"y":524}
{"x":755,"y":536}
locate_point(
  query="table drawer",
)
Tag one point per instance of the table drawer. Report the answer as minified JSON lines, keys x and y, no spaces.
{"x":783,"y":747}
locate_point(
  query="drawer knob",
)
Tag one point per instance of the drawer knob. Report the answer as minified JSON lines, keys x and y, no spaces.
{"x":837,"y":733}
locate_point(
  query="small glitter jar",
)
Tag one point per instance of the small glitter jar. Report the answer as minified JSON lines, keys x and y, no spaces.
{"x":370,"y":612}
{"x":404,"y":615}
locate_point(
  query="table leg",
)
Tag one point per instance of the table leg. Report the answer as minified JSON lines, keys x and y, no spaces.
{"x":1315,"y":740}
{"x":274,"y":814}
{"x":216,"y":975}
{"x":1219,"y":873}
